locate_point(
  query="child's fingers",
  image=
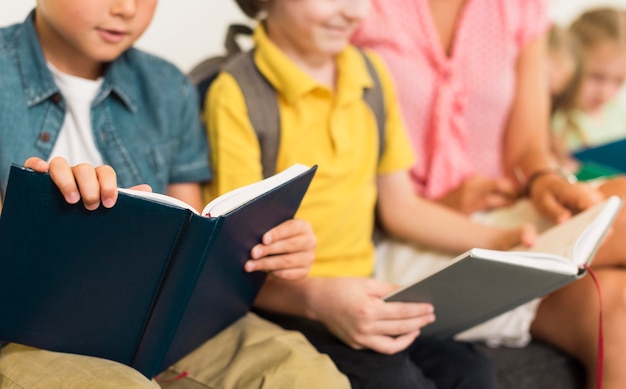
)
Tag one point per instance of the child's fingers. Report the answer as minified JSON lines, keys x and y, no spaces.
{"x":63,"y":177}
{"x":290,"y":274}
{"x":93,"y":185}
{"x":302,"y":243}
{"x":287,"y":229}
{"x":37,"y":164}
{"x":88,"y":185}
{"x":108,"y":185}
{"x":390,"y":344}
{"x":293,"y":245}
{"x":281,"y":262}
{"x":291,"y":266}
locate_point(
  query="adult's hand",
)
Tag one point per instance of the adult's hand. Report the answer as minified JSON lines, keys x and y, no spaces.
{"x":559,"y":199}
{"x":478,"y":193}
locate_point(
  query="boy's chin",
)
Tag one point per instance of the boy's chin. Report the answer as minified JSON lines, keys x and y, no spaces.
{"x":108,"y":55}
{"x":334,"y":49}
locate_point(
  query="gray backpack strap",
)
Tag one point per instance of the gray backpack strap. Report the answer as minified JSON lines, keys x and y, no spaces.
{"x":374,"y":98}
{"x":262,"y":103}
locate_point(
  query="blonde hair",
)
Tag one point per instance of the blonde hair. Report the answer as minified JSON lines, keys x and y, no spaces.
{"x":562,"y":47}
{"x":592,"y":28}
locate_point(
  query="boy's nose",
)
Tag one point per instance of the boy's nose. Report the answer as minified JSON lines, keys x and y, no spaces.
{"x":124,"y":8}
{"x":356,"y":9}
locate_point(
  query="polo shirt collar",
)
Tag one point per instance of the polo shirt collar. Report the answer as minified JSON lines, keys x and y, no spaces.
{"x":292,"y":82}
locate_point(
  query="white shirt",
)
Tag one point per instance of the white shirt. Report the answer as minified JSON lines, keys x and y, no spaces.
{"x":76,"y":141}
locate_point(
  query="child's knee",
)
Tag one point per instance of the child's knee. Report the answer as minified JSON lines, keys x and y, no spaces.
{"x":27,"y":367}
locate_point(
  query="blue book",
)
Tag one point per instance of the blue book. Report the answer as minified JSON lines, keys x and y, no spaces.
{"x":611,"y":155}
{"x":142,"y":283}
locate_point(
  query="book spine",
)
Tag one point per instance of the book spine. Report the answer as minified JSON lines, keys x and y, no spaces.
{"x":225,"y":291}
{"x":186,"y":263}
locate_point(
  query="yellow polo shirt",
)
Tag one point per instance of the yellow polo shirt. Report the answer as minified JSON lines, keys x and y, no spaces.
{"x":334,"y":129}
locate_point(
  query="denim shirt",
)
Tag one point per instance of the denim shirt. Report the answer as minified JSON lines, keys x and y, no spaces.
{"x":145,"y":117}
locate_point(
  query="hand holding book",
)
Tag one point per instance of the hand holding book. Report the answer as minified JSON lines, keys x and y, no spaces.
{"x":480,"y":284}
{"x":268,"y":255}
{"x":97,"y":185}
{"x":175,"y":277}
{"x":228,"y":201}
{"x":94,"y":185}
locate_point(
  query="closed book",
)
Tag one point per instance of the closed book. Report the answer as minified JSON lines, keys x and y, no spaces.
{"x":142,"y":283}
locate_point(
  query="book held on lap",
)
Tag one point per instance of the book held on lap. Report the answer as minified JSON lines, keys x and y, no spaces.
{"x":142,"y":283}
{"x":481,"y":284}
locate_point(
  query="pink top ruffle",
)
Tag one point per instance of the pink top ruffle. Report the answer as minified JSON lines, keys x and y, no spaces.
{"x":455,"y":106}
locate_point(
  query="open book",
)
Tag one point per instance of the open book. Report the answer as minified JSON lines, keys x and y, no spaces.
{"x":481,"y":284}
{"x":230,"y":200}
{"x":142,"y":283}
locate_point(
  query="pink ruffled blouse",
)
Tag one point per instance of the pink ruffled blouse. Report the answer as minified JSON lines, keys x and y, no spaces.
{"x":455,"y":106}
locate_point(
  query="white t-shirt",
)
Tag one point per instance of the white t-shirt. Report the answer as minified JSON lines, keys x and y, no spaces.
{"x":76,"y":141}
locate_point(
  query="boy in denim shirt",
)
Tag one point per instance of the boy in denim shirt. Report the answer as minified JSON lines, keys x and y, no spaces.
{"x":76,"y":94}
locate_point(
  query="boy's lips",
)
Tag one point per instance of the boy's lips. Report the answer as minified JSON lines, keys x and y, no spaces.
{"x":339,"y":30}
{"x":112,"y":36}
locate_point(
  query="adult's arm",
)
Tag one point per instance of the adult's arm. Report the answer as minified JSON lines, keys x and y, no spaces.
{"x":527,"y":151}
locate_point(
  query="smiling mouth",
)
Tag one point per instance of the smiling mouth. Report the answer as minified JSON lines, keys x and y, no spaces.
{"x":338,"y":28}
{"x":112,"y":36}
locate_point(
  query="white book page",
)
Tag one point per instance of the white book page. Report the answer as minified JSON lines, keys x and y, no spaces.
{"x":158,"y":197}
{"x":566,"y":246}
{"x":228,"y":201}
{"x":544,"y":261}
{"x":233,"y":199}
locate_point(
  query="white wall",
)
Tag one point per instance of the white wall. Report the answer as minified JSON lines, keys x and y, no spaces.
{"x":187,"y":31}
{"x":563,"y":11}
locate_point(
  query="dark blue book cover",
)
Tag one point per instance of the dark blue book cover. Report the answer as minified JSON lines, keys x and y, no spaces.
{"x":142,"y":283}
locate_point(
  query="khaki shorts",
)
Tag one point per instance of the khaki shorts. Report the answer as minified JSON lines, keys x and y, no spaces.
{"x":251,"y":353}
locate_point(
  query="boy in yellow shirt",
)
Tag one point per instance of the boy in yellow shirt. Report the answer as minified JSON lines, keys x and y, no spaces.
{"x":302,"y":50}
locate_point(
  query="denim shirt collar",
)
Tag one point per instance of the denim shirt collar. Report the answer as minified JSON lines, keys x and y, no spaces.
{"x":39,"y":84}
{"x":36,"y":78}
{"x":117,"y":78}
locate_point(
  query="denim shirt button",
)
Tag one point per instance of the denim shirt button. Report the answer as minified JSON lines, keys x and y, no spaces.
{"x":44,"y":137}
{"x":56,"y":98}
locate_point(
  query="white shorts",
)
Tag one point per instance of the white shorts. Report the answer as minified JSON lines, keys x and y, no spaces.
{"x":401,"y":262}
